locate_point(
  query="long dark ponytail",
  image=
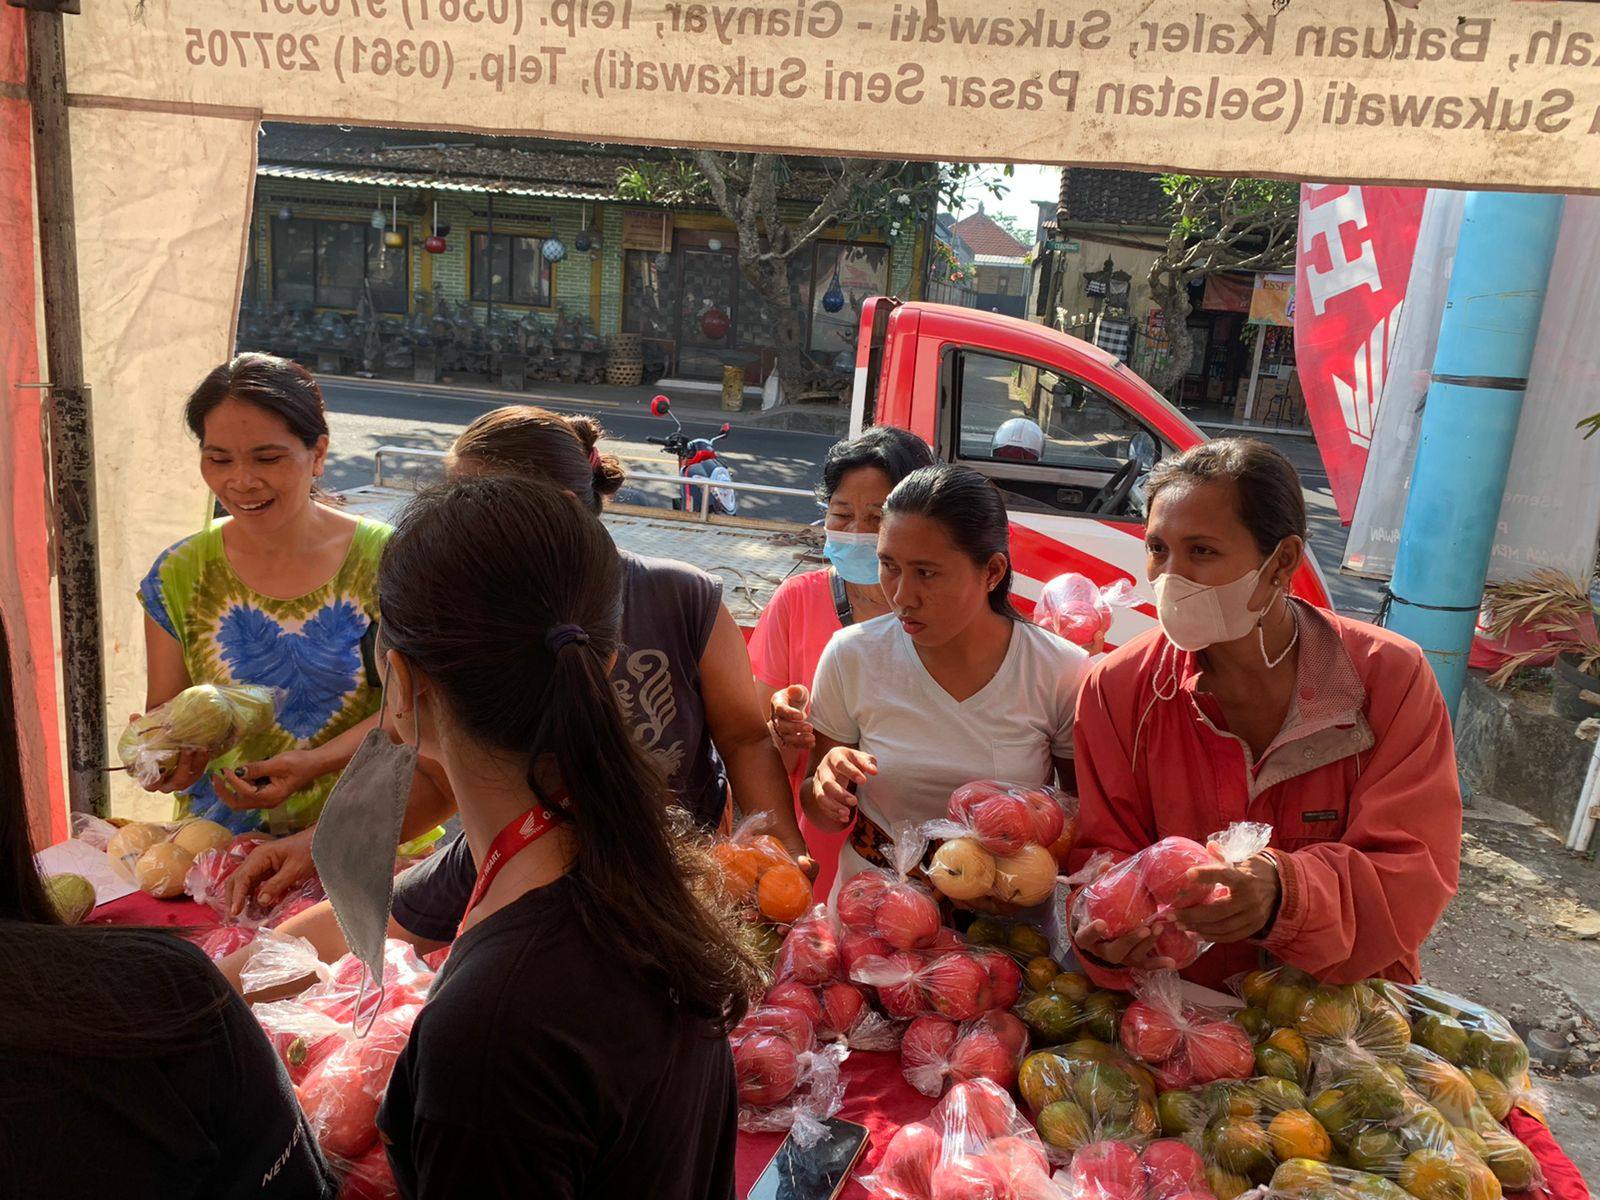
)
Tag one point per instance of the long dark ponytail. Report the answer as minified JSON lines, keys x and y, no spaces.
{"x":971,"y":511}
{"x":507,"y":594}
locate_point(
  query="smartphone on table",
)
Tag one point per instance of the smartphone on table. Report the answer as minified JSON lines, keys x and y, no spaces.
{"x":818,"y":1172}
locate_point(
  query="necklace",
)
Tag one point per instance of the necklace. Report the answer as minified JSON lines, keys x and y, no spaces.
{"x":1261,"y":635}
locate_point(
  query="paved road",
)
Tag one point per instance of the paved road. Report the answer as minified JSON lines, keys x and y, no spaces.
{"x":365,"y":416}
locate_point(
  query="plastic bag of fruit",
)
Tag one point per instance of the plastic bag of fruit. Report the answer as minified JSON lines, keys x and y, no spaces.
{"x":1244,"y":1128}
{"x":958,"y":984}
{"x":1073,"y":607}
{"x":370,"y":1178}
{"x":787,"y":1079}
{"x":278,"y":961}
{"x":1182,"y":1042}
{"x":1059,"y":1006}
{"x":975,"y":1144}
{"x":210,"y":717}
{"x":156,"y":856}
{"x":1087,"y":1091}
{"x":759,"y":874}
{"x":839,"y":1011}
{"x":935,"y":1052}
{"x":1021,"y":939}
{"x":1002,"y":841}
{"x":1460,"y":1031}
{"x":1165,"y":1169}
{"x":886,"y":903}
{"x":1285,"y":998}
{"x":206,"y":882}
{"x":1380,"y":1124}
{"x":1144,"y":891}
{"x":342,"y":1092}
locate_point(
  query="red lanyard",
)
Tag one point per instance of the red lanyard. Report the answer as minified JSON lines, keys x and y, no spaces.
{"x":522,"y":832}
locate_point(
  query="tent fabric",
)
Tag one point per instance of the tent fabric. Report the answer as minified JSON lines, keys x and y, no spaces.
{"x":25,"y":591}
{"x":160,"y":258}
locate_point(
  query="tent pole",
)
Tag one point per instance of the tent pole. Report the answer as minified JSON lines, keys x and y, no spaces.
{"x":71,"y":425}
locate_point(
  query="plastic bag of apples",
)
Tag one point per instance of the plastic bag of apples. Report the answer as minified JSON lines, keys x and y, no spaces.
{"x":975,"y":1145}
{"x":1182,"y":1042}
{"x":936,"y":1053}
{"x":788,"y":1079}
{"x":810,"y":977}
{"x":1002,"y":841}
{"x":1074,"y":607}
{"x":1146,"y":890}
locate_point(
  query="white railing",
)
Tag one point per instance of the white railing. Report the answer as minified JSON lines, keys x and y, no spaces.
{"x":703,"y":508}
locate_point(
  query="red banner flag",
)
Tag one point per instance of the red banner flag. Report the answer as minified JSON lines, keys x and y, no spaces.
{"x":1351,"y":271}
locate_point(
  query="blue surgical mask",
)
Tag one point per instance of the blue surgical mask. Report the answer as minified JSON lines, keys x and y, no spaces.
{"x":853,"y":555}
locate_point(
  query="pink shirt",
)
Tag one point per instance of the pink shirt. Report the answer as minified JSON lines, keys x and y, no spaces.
{"x":1359,"y":787}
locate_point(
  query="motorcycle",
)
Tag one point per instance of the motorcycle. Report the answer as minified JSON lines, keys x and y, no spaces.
{"x":697,"y":459}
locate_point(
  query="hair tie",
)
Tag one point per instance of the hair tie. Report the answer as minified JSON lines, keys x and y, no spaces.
{"x":559,"y":637}
{"x":594,"y":458}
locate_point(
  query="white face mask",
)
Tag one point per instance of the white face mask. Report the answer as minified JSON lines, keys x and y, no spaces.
{"x":1196,"y":615}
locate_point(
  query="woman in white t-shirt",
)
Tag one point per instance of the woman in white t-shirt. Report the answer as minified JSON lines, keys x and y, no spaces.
{"x":951,"y":686}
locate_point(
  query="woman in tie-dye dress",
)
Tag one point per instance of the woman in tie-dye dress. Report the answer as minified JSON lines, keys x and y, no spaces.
{"x":282,"y":592}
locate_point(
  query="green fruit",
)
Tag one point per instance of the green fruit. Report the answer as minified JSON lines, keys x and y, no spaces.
{"x":1427,"y":1130}
{"x":199,"y":716}
{"x":1225,"y":1185}
{"x":1101,"y":1016}
{"x":1043,"y":1079}
{"x":1028,"y":941}
{"x":986,"y":931}
{"x":1241,"y":1147}
{"x":1284,"y":1004}
{"x":1106,"y":1091}
{"x":1383,"y":1031}
{"x":1327,"y":1014}
{"x":1064,"y":1126}
{"x":1377,"y":1150}
{"x":1073,"y":985}
{"x":1276,"y":1064}
{"x":1492,"y":1093}
{"x":1445,"y":1036}
{"x":72,"y":896}
{"x":1513,"y":1163}
{"x":1039,"y":972}
{"x":1180,"y":1113}
{"x":1303,"y":1179}
{"x":1335,"y":1112}
{"x":1051,"y":1017}
{"x":1254,"y":1022}
{"x":1503,"y":1056}
{"x":1278,"y":1095}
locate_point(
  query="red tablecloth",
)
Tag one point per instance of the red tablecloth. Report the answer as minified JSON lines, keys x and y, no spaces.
{"x":875,"y":1093}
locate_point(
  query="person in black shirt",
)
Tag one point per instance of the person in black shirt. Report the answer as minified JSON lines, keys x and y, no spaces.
{"x":128,"y":1067}
{"x":574,"y":1044}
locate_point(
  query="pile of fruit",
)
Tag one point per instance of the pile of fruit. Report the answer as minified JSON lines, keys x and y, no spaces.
{"x":158,"y":857}
{"x":760,"y":875}
{"x":1148,"y":889}
{"x":208,"y":717}
{"x":1060,"y":1006}
{"x":1002,"y":841}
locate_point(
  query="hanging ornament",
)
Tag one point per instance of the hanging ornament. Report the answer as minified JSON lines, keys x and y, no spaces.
{"x":378,"y":221}
{"x":434,"y":244}
{"x":833,"y":298}
{"x":714,"y":324}
{"x":583,"y":241}
{"x":393,"y":238}
{"x":663,"y":261}
{"x":554,"y":249}
{"x":714,"y":245}
{"x":285,"y":213}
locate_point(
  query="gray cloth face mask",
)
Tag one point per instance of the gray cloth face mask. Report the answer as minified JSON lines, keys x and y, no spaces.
{"x":354,"y":847}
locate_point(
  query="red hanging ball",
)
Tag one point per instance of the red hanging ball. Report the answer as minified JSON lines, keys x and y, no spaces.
{"x":714,"y":324}
{"x":434,"y":245}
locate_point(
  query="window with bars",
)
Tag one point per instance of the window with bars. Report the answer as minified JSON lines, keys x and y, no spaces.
{"x":326,"y":263}
{"x":509,"y":268}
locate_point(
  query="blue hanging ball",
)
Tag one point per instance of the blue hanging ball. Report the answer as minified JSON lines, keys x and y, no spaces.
{"x":554,"y":250}
{"x":833,"y":298}
{"x":581,"y":243}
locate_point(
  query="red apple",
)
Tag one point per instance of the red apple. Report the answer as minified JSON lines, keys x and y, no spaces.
{"x":968,"y":1177}
{"x":1220,"y":1050}
{"x":1178,"y":944}
{"x":1049,"y":821}
{"x":1173,"y":1074}
{"x":955,"y":984}
{"x":946,"y":939}
{"x":795,"y":995}
{"x":1012,"y":1033}
{"x":977,"y":1109}
{"x":969,"y":795}
{"x":810,"y":954}
{"x":1149,"y":1033}
{"x":925,"y":1053}
{"x":902,"y":1000}
{"x":767,"y":1068}
{"x":1167,"y":865}
{"x":842,"y":1006}
{"x":1108,"y":1171}
{"x":1171,"y":1168}
{"x":788,"y":1023}
{"x":1018,"y":1154}
{"x":908,"y":917}
{"x":859,"y":899}
{"x":853,"y":947}
{"x":1003,"y":825}
{"x":908,"y":1161}
{"x":980,"y":1054}
{"x":1119,"y":900}
{"x":1005,"y":978}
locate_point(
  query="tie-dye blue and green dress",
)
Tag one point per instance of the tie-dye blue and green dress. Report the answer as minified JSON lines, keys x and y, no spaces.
{"x":317,"y":649}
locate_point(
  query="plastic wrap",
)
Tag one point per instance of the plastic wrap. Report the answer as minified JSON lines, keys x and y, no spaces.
{"x":810,"y":953}
{"x":207,"y":883}
{"x":341,"y":1094}
{"x":1060,"y":1006}
{"x":759,"y":874}
{"x":1166,"y":1169}
{"x":209,"y":717}
{"x":1460,"y":1031}
{"x":1002,"y":841}
{"x":1073,"y":607}
{"x":935,"y":1053}
{"x":1362,"y":1015}
{"x":782,"y":1088}
{"x":886,"y":904}
{"x":958,"y":984}
{"x":1146,"y":890}
{"x":1181,"y":1042}
{"x":369,"y":1178}
{"x":975,"y":1145}
{"x":1244,"y":1128}
{"x":224,"y":940}
{"x":839,"y":1012}
{"x":1085,"y":1092}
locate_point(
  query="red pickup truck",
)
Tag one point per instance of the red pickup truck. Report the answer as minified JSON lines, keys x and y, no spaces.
{"x":955,"y":375}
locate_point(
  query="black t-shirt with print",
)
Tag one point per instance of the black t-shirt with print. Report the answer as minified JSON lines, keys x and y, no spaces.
{"x":540,"y":1068}
{"x":214,"y":1119}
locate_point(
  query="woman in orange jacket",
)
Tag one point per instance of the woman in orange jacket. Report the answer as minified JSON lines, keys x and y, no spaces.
{"x":1249,"y":705}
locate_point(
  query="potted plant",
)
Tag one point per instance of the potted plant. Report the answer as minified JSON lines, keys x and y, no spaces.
{"x":1558,"y":606}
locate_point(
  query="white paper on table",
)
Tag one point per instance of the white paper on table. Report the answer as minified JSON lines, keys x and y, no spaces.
{"x":72,"y":857}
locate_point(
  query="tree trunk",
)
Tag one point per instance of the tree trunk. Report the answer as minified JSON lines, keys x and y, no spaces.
{"x":1169,"y":288}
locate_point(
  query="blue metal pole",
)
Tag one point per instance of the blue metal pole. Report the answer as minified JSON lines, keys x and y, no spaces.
{"x":1480,"y":372}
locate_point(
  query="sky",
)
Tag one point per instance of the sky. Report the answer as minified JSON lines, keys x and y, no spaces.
{"x":1026,"y":185}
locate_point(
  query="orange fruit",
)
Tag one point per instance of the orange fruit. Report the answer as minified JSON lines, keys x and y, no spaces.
{"x":1295,"y":1133}
{"x":783,"y":894}
{"x":739,"y":869}
{"x":1292,"y":1044}
{"x":769,"y":852}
